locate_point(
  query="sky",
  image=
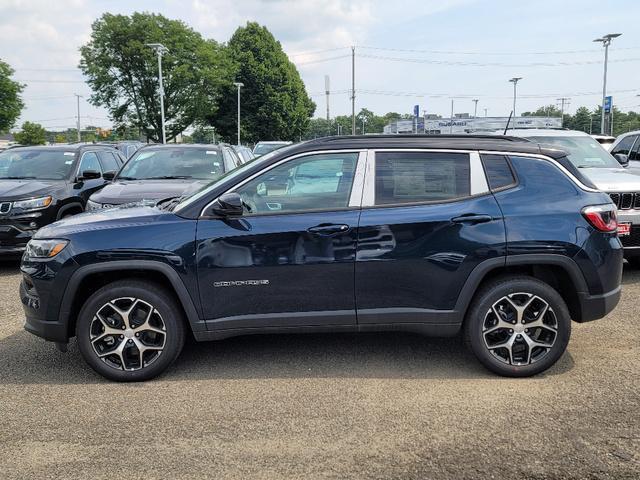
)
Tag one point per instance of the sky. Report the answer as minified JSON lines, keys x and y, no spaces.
{"x":408,"y":53}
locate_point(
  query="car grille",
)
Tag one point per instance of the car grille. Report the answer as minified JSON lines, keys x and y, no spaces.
{"x":633,"y":239}
{"x":5,"y":207}
{"x":626,"y":200}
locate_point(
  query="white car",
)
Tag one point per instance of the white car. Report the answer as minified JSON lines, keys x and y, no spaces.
{"x":605,"y":140}
{"x":622,"y":184}
{"x":628,"y":144}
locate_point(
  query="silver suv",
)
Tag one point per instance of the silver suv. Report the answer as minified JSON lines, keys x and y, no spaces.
{"x":622,"y":184}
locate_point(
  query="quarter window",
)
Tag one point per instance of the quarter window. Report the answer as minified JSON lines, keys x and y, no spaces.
{"x":314,"y":182}
{"x":499,"y":173}
{"x":415,"y":177}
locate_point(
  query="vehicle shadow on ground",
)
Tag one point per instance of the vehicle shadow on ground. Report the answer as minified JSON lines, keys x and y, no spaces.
{"x":26,"y":359}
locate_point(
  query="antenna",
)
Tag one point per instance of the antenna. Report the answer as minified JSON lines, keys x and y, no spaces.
{"x":508,"y":121}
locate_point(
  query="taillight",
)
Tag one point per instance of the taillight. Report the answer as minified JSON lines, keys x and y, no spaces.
{"x":603,"y":217}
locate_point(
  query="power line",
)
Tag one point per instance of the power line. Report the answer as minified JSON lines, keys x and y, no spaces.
{"x":313,"y":52}
{"x":323,"y":60}
{"x":454,"y":52}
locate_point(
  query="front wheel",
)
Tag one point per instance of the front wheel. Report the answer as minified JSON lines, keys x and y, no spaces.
{"x":518,"y":326}
{"x":130,"y":330}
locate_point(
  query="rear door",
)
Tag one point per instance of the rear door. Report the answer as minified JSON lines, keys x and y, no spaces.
{"x":428,"y":220}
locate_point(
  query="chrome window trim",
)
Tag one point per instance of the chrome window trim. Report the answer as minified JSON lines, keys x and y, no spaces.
{"x":82,"y":158}
{"x":284,"y":160}
{"x":355,"y":200}
{"x":479,"y":184}
{"x":539,"y":156}
{"x":369,"y":190}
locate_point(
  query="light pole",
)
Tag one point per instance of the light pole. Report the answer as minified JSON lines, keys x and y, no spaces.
{"x":364,"y":120}
{"x":606,"y":41}
{"x":485,"y":112}
{"x":78,"y":97}
{"x":475,"y":107}
{"x":239,"y":86}
{"x":515,"y":81}
{"x":160,"y":50}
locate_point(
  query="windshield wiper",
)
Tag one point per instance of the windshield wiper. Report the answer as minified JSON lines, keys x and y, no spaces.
{"x":169,"y":203}
{"x":169,"y":177}
{"x":126,"y":178}
{"x":17,"y":178}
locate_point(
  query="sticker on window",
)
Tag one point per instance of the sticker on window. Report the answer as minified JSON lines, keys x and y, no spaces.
{"x":69,"y":154}
{"x":68,"y":162}
{"x":211,"y":152}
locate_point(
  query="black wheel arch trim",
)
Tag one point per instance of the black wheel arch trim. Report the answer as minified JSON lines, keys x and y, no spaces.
{"x":479,"y":273}
{"x":68,"y":206}
{"x":179,"y":288}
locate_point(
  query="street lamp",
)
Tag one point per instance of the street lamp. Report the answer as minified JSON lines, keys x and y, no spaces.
{"x":160,"y":50}
{"x":239,"y":86}
{"x":606,"y":41}
{"x":514,"y":80}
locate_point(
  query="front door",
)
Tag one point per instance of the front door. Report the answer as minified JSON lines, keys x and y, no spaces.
{"x":289,"y":260}
{"x":428,"y":223}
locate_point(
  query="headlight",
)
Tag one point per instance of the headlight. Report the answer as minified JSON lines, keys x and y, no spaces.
{"x":93,"y":205}
{"x":33,"y":203}
{"x":45,"y":248}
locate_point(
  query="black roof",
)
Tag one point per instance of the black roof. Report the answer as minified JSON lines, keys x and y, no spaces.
{"x":67,"y":147}
{"x":463,"y":142}
{"x":201,"y":146}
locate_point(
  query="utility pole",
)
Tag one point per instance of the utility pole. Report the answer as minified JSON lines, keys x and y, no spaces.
{"x":563,"y":101}
{"x":606,"y":41}
{"x":160,"y":50}
{"x":353,"y":90}
{"x":239,"y":86}
{"x":515,"y":81}
{"x":485,"y":112}
{"x":475,"y":107}
{"x":364,"y":120}
{"x":451,"y":122}
{"x":326,"y":91}
{"x":78,"y":97}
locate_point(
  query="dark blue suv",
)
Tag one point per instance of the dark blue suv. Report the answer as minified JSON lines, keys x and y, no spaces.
{"x":494,"y":236}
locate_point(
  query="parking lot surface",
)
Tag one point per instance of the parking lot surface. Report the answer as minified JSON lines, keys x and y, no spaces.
{"x":324,"y":406}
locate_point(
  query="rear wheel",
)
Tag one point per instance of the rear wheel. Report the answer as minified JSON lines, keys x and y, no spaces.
{"x":518,"y":326}
{"x":130,"y":330}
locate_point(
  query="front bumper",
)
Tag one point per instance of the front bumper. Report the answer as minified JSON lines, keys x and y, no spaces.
{"x":13,"y":240}
{"x":631,"y":242}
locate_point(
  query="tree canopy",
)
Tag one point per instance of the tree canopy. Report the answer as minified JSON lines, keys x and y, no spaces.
{"x":10,"y":102}
{"x":123,"y":72}
{"x":31,"y":134}
{"x":274,"y":102}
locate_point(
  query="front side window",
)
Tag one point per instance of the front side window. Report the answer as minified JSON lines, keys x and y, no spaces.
{"x":37,"y":164}
{"x":634,"y":154}
{"x":89,"y":162}
{"x":416,"y":177}
{"x":109,"y":161}
{"x":313,"y":182}
{"x":625,"y":145}
{"x":169,"y":162}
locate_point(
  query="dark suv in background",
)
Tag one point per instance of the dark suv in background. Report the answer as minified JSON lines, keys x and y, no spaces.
{"x":39,"y":185}
{"x":492,"y":235}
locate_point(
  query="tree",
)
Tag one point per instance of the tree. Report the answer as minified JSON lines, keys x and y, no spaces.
{"x":274,"y":104}
{"x":31,"y":134}
{"x":10,"y":102}
{"x":123,"y":72}
{"x":202,"y":134}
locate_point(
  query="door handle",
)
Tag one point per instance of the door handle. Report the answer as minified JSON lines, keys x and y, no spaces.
{"x":472,"y":218}
{"x":328,"y":230}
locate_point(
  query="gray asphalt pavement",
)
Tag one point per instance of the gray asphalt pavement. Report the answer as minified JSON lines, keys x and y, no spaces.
{"x":324,"y":406}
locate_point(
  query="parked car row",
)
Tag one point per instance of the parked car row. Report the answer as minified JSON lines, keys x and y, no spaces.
{"x":498,"y":237}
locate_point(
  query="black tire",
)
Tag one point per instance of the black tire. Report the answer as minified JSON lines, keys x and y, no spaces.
{"x":634,"y":262}
{"x":517,"y":361}
{"x":162,"y":311}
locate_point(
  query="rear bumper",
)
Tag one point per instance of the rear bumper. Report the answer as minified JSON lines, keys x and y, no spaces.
{"x":594,"y":307}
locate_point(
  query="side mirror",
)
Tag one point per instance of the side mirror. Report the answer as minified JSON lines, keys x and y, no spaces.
{"x":228,"y":205}
{"x":622,"y":159}
{"x":109,"y":175}
{"x":89,"y":175}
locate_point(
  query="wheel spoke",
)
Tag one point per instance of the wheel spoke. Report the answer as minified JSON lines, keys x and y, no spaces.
{"x":146,"y":326}
{"x":508,"y":345}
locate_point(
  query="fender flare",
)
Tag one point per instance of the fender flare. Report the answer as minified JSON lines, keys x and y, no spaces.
{"x":479,"y":273}
{"x":68,"y":206}
{"x":176,"y":282}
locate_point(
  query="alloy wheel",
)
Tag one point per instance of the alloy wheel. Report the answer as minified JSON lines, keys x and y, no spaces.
{"x":520,"y":329}
{"x":127,"y":334}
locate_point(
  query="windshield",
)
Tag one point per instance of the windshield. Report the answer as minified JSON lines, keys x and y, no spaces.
{"x":174,"y":163}
{"x":37,"y":163}
{"x":186,"y":201}
{"x":583,"y":152}
{"x":263,"y":148}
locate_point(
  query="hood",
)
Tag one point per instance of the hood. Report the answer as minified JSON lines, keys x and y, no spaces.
{"x":614,"y":179}
{"x":125,"y":216}
{"x":127,"y":191}
{"x":18,"y":189}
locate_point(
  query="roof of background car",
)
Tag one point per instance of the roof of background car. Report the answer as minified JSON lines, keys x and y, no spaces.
{"x":200,"y":146}
{"x":67,"y":147}
{"x":462,"y":142}
{"x":545,"y":132}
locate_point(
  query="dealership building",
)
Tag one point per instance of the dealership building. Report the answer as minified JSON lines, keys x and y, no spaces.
{"x":464,"y":124}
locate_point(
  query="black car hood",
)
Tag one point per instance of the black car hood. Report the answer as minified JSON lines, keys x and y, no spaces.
{"x":18,"y":189}
{"x":127,"y":191}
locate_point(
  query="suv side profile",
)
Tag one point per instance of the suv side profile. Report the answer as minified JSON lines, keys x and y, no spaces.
{"x":39,"y":185}
{"x":493,"y":236}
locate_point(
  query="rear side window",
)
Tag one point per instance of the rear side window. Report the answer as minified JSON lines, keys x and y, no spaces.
{"x":499,"y":174}
{"x":415,"y":177}
{"x":625,"y":145}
